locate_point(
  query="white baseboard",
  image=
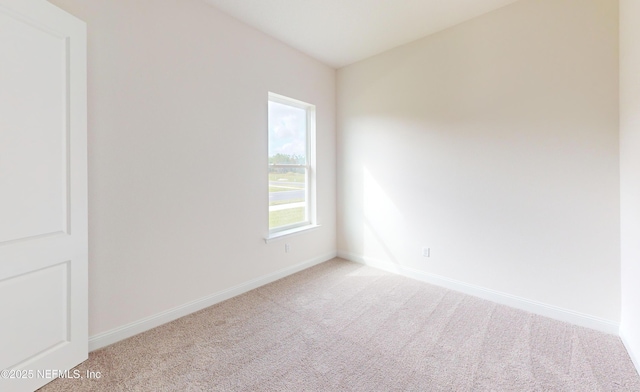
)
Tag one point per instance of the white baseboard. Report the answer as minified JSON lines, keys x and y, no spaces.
{"x":632,"y":354}
{"x":551,"y":311}
{"x":126,"y":331}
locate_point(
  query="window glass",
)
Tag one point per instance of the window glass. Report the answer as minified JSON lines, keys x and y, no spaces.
{"x":289,"y":163}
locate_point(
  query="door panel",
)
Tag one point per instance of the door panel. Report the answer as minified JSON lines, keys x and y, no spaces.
{"x":48,"y":325}
{"x":43,"y":193}
{"x":33,"y":107}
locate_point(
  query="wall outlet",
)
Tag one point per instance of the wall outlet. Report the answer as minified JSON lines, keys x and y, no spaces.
{"x":286,"y":248}
{"x":426,"y":252}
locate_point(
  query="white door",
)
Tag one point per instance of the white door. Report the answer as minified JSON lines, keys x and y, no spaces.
{"x":43,"y":193}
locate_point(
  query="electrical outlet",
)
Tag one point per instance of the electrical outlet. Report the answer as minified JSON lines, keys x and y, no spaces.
{"x":426,"y":252}
{"x":287,"y":248}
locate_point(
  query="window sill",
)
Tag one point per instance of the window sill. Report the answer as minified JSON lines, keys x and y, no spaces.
{"x":287,"y":233}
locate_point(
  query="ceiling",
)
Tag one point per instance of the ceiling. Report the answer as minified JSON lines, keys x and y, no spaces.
{"x":341,"y":32}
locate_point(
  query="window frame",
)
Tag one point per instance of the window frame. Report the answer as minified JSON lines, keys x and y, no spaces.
{"x":309,"y":166}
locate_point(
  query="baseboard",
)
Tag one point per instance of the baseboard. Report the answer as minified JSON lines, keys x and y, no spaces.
{"x":551,"y":311}
{"x":632,"y":354}
{"x":126,"y":331}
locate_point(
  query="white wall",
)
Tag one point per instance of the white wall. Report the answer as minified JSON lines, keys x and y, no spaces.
{"x":177,"y":154}
{"x":630,"y":174}
{"x":495,"y":143}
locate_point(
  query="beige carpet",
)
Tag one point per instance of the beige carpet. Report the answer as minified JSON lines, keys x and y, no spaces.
{"x":341,"y":326}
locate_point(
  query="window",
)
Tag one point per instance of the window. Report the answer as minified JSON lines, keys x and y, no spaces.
{"x":291,"y":165}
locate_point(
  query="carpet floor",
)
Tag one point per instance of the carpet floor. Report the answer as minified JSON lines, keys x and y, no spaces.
{"x":341,"y":326}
